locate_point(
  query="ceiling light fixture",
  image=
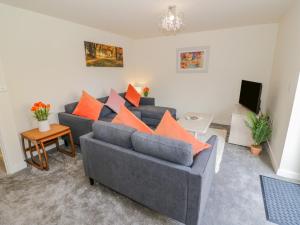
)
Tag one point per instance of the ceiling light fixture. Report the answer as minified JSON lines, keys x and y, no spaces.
{"x":171,"y":22}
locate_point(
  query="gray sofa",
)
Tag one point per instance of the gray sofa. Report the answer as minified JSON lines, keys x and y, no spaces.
{"x":158,"y":172}
{"x":147,"y":112}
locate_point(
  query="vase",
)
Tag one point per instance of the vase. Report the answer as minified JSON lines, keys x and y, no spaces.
{"x":146,"y":94}
{"x":256,"y":149}
{"x":44,"y":126}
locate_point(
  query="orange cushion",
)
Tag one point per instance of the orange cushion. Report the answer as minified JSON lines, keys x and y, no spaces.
{"x":127,"y":118}
{"x":169,"y":127}
{"x":133,"y":96}
{"x":88,"y":107}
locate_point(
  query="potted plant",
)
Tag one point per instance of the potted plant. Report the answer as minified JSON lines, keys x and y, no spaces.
{"x":41,"y":113}
{"x":261,"y":130}
{"x":146,"y":91}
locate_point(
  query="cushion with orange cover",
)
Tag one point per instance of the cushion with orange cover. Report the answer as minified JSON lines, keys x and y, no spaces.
{"x":133,"y":96}
{"x":88,"y":107}
{"x":127,"y":118}
{"x":169,"y":127}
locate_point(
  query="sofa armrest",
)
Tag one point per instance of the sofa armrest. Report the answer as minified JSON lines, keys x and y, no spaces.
{"x":201,"y":176}
{"x":147,"y":101}
{"x":78,"y":125}
{"x":202,"y":160}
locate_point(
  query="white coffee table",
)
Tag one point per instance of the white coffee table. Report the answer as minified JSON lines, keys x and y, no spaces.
{"x":196,"y":123}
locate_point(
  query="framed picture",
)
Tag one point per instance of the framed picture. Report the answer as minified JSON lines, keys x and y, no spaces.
{"x":100,"y":55}
{"x":192,"y":60}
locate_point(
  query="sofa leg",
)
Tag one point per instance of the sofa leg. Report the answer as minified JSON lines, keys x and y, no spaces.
{"x":92,"y":182}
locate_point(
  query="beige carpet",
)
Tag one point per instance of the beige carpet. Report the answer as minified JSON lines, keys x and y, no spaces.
{"x":63,"y":196}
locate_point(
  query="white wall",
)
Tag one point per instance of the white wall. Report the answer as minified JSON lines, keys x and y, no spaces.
{"x":11,"y":150}
{"x":43,"y":59}
{"x":235,"y":54}
{"x":282,"y":91}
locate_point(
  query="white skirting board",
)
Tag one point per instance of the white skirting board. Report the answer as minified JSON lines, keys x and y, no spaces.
{"x":276,"y":166}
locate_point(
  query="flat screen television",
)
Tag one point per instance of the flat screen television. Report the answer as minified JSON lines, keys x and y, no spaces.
{"x":250,"y":95}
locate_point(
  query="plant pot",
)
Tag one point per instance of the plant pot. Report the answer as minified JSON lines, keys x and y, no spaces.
{"x":44,"y":126}
{"x":256,"y":149}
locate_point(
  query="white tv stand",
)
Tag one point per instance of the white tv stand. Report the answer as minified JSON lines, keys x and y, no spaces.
{"x":240,"y":134}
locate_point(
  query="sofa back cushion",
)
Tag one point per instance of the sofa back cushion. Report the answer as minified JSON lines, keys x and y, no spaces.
{"x":113,"y":133}
{"x":162,"y":147}
{"x":127,"y":103}
{"x":69,"y":108}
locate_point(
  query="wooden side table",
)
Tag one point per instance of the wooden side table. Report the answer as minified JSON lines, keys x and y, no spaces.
{"x":37,"y":141}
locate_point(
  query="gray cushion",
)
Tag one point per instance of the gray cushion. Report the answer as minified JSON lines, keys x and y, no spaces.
{"x":164,"y":148}
{"x":154,"y":112}
{"x":113,"y":133}
{"x":106,"y":119}
{"x":151,"y":122}
{"x":69,"y":108}
{"x":103,"y":99}
{"x":127,"y":103}
{"x":111,"y":115}
{"x":105,"y":110}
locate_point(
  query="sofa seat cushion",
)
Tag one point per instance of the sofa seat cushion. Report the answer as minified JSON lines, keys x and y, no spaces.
{"x":154,"y":112}
{"x":113,"y":133}
{"x":164,"y":148}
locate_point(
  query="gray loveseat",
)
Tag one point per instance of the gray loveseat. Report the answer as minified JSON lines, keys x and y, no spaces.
{"x":147,"y":112}
{"x":158,"y":172}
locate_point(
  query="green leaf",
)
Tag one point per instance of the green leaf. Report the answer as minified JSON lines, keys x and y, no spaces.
{"x":260,"y":127}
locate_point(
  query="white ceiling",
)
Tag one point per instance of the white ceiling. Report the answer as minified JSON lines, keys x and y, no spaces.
{"x":140,"y":18}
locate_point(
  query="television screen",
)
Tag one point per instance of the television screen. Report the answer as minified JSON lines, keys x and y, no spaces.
{"x":250,"y":95}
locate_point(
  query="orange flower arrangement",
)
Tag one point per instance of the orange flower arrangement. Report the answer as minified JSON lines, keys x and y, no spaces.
{"x":40,"y":111}
{"x":146,"y":91}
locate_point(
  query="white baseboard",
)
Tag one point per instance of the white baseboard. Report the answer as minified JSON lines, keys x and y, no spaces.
{"x":275,"y":163}
{"x":288,"y":174}
{"x":276,"y":166}
{"x":16,"y":167}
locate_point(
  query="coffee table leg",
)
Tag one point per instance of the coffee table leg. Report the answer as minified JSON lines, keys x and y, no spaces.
{"x":72,"y":145}
{"x":33,"y":162}
{"x":24,"y":148}
{"x":57,"y":144}
{"x":71,"y":151}
{"x":45,"y":163}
